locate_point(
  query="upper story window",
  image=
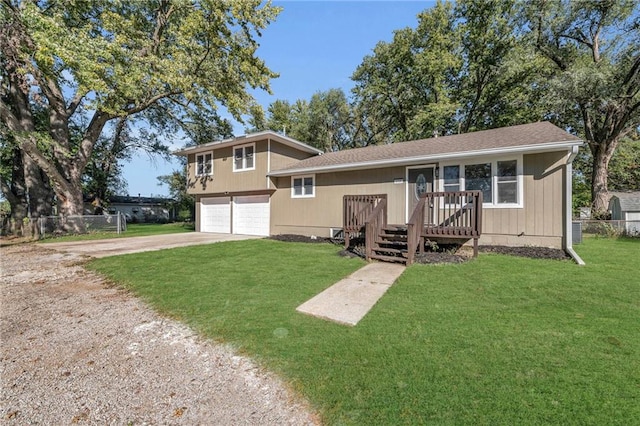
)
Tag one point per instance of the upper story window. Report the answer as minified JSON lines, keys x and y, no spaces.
{"x":204,"y":164}
{"x":499,"y":180}
{"x":243,"y":157}
{"x":303,"y":186}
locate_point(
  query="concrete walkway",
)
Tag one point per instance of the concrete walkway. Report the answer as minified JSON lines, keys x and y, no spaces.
{"x":349,"y":300}
{"x":115,"y":246}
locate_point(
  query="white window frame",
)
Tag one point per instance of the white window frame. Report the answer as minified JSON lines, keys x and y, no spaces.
{"x":203,"y":155}
{"x":494,"y":178}
{"x":244,"y":167}
{"x":303,"y":195}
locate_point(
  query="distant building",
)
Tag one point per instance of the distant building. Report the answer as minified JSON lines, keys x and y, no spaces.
{"x":626,"y":206}
{"x":134,"y":208}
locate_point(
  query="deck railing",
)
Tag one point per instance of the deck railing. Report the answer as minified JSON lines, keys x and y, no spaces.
{"x":447,"y":215}
{"x":356,"y":210}
{"x":374,"y":224}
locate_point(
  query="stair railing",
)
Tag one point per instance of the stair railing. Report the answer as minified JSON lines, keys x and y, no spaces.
{"x":414,"y":230}
{"x":356,"y":210}
{"x":374,"y":224}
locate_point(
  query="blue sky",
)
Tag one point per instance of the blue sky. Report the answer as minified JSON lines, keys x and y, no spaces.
{"x":314,"y":46}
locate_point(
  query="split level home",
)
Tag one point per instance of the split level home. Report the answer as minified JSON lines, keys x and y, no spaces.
{"x":506,"y":186}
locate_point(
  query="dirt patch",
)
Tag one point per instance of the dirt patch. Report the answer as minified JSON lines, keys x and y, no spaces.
{"x":76,"y":350}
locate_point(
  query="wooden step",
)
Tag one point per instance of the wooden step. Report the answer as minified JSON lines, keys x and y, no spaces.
{"x":389,"y":258}
{"x":394,"y":236}
{"x":391,"y":250}
{"x":392,"y":242}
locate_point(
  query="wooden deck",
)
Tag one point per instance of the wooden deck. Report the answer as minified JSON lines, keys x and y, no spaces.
{"x":438,"y":216}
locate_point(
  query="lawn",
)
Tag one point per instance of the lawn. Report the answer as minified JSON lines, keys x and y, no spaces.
{"x":133,"y":230}
{"x":498,"y":340}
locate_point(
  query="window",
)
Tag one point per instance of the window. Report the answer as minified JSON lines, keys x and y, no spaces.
{"x":243,"y":158}
{"x":204,"y":164}
{"x":499,"y":180}
{"x":452,"y":178}
{"x":507,"y":182}
{"x":302,"y":186}
{"x":478,"y":177}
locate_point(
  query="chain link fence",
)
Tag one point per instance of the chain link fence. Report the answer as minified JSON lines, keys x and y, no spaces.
{"x":610,"y":228}
{"x":54,"y":226}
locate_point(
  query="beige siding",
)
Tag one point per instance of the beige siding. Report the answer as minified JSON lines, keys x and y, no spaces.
{"x":224,"y":179}
{"x":540,"y":221}
{"x":314,"y":216}
{"x":283,"y":155}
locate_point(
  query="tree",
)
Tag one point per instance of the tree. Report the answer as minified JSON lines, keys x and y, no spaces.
{"x":325,"y":121}
{"x":88,"y":63}
{"x":403,"y":90}
{"x":594,"y":47}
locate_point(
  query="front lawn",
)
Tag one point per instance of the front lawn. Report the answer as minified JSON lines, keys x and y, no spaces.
{"x":498,"y":340}
{"x":133,"y":230}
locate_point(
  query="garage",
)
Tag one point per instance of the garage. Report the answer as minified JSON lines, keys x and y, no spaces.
{"x":215,"y":215}
{"x":251,"y":215}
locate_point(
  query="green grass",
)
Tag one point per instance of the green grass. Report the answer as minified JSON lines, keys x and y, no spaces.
{"x":498,"y":340}
{"x":133,"y":230}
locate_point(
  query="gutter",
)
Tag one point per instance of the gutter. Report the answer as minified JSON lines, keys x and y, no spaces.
{"x":569,"y":208}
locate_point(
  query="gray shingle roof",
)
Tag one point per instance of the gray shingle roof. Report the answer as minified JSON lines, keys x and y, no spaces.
{"x":629,"y":201}
{"x":534,"y":136}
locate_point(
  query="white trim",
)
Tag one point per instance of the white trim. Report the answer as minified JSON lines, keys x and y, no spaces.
{"x":253,"y":137}
{"x":433,"y":166}
{"x":568,"y":233}
{"x":303,"y":195}
{"x":528,"y":149}
{"x":204,"y":154}
{"x":244,"y":157}
{"x":268,"y":163}
{"x":494,"y":178}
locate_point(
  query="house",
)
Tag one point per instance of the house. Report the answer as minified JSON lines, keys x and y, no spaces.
{"x":142,"y":209}
{"x":267,"y":184}
{"x":626,"y":206}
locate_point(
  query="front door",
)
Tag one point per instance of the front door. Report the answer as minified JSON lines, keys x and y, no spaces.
{"x":419,"y":180}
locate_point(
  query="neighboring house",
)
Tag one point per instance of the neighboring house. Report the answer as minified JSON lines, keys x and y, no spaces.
{"x":134,"y":208}
{"x":626,"y":206}
{"x":267,"y":184}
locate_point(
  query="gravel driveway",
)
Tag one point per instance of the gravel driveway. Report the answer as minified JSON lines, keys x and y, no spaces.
{"x":76,"y":351}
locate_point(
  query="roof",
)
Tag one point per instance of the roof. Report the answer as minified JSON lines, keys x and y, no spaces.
{"x":629,"y":201}
{"x":534,"y":137}
{"x":252,"y":137}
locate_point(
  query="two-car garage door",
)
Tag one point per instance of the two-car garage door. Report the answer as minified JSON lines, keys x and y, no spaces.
{"x":246,"y":215}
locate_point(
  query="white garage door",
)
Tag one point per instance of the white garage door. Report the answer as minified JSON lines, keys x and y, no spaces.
{"x":215,"y":215}
{"x":251,"y":215}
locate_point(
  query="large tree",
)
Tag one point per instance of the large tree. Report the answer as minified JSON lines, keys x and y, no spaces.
{"x":87,"y":63}
{"x":595,"y":49}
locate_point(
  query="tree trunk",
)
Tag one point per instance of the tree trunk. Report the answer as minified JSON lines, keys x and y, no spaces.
{"x":14,"y":191}
{"x":39,"y":193}
{"x":602,"y":153}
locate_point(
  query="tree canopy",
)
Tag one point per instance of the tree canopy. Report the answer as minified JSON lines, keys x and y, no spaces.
{"x":168,"y":65}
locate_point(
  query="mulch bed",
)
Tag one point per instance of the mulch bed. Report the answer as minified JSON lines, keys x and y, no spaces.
{"x":292,"y":238}
{"x":444,"y":255}
{"x":527,"y":251}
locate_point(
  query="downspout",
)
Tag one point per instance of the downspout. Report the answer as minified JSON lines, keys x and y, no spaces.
{"x":568,"y":243}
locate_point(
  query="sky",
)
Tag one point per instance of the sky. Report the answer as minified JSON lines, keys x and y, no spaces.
{"x":314,"y":46}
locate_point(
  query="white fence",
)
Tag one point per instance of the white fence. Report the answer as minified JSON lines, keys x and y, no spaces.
{"x":63,"y":225}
